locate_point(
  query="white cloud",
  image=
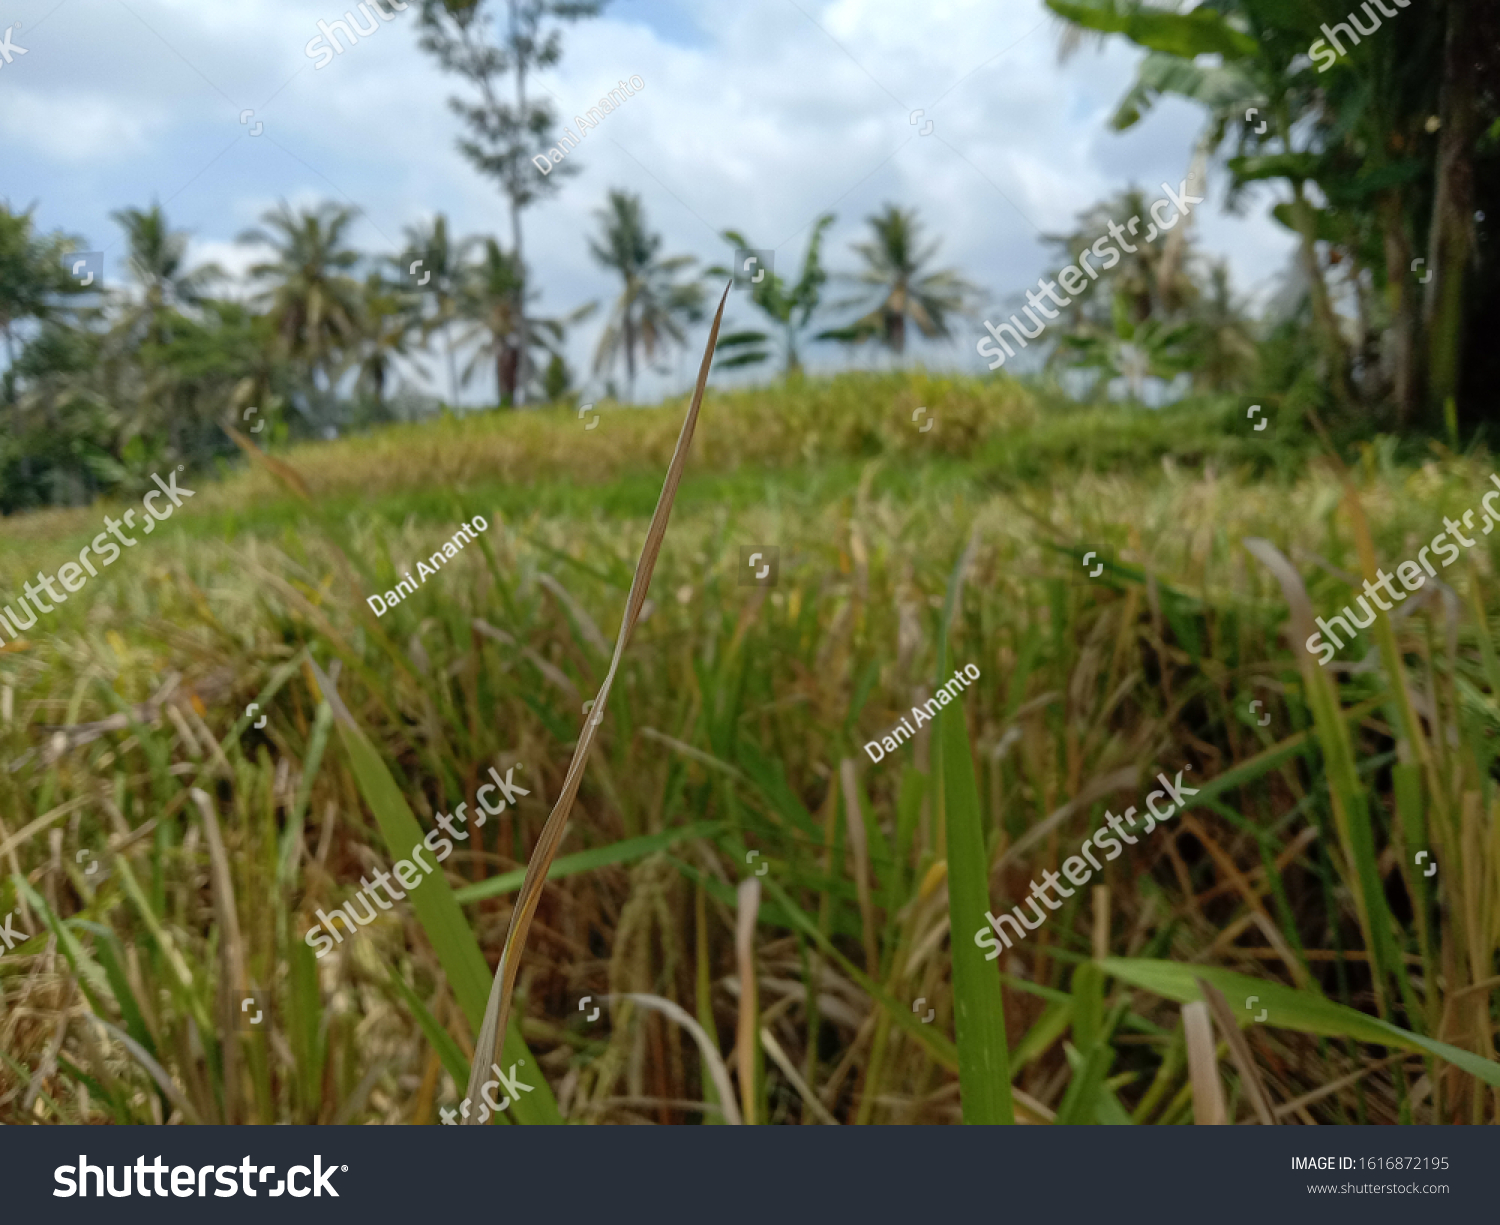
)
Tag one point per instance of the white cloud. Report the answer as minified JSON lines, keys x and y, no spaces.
{"x":80,"y":129}
{"x":234,"y":258}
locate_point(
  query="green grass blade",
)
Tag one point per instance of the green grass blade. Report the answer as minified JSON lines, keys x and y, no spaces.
{"x":1049,"y":1027}
{"x":1085,"y":1096}
{"x":91,"y":979}
{"x":305,"y":1030}
{"x":288,"y":862}
{"x":110,"y":955}
{"x":1290,"y":1008}
{"x":435,"y":906}
{"x":624,"y":851}
{"x":978,"y":1011}
{"x":937,"y":1046}
{"x":978,"y":1007}
{"x":442,"y":1041}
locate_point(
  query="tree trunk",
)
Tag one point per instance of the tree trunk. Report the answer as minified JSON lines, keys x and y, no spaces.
{"x":630,"y":353}
{"x":1325,"y":321}
{"x":1367,"y":367}
{"x":1401,"y":287}
{"x":1451,"y":235}
{"x":1174,"y":251}
{"x":515,"y":224}
{"x":519,"y":339}
{"x":452,"y":366}
{"x":505,"y":374}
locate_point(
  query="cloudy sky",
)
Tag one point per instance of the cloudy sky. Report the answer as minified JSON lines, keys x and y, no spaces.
{"x":757,"y":115}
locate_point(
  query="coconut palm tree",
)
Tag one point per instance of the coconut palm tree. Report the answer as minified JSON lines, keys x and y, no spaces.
{"x":306,"y":288}
{"x":158,"y":265}
{"x":32,"y":279}
{"x":387,"y":323}
{"x":490,"y":298}
{"x":652,"y":305}
{"x":1156,"y":279}
{"x":146,"y":330}
{"x":436,"y":281}
{"x":899,"y":287}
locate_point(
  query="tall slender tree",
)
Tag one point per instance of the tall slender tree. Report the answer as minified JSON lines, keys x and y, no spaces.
{"x":1450,"y":243}
{"x":158,"y":264}
{"x":899,"y":287}
{"x":306,"y":288}
{"x":442,"y":263}
{"x":1155,"y":280}
{"x":488,"y":294}
{"x":483,"y":43}
{"x":387,"y":322}
{"x":647,"y":315}
{"x":32,"y":278}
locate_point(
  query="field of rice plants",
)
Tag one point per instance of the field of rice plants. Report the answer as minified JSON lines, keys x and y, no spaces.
{"x":748,"y":919}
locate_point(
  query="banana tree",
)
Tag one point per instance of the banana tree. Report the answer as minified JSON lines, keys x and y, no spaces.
{"x":790,"y":307}
{"x":1129,"y":349}
{"x":1257,"y":95}
{"x":1384,"y":131}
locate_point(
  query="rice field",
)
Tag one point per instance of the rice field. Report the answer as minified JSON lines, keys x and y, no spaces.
{"x":749,"y":920}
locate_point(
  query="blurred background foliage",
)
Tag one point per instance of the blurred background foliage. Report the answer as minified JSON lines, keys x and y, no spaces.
{"x":1386,"y":168}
